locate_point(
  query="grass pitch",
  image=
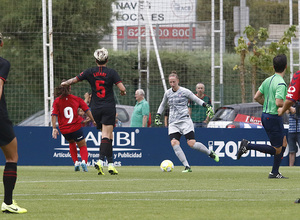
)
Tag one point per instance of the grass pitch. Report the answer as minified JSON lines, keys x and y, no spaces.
{"x":147,"y":193}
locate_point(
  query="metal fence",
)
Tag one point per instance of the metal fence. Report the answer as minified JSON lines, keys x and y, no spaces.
{"x":182,"y":30}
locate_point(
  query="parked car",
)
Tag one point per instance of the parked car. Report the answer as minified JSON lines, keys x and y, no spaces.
{"x":243,"y":115}
{"x":124,"y":116}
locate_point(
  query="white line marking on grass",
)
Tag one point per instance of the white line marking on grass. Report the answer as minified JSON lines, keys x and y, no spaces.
{"x":98,"y":180}
{"x":57,"y":199}
{"x":144,"y":192}
{"x":199,"y":200}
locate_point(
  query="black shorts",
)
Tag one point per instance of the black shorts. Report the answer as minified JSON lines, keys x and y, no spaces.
{"x":273,"y":125}
{"x":7,"y":133}
{"x":106,"y":116}
{"x":76,"y":135}
{"x":177,"y":136}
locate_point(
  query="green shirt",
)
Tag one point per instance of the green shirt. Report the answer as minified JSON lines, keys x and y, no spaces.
{"x":198,"y":111}
{"x":274,"y":87}
{"x":140,"y":109}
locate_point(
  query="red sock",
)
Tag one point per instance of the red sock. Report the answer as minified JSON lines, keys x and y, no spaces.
{"x":73,"y":151}
{"x":84,"y":153}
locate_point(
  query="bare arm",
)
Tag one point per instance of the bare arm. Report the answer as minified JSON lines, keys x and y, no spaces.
{"x":122,"y":88}
{"x":287,"y":104}
{"x":70,"y":81}
{"x":89,"y":113}
{"x":145,"y":119}
{"x":1,"y":88}
{"x":207,"y":120}
{"x":279,"y":102}
{"x":86,"y":98}
{"x":259,"y":97}
{"x":54,"y":129}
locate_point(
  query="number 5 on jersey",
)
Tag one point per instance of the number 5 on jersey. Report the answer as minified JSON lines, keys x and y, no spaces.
{"x":100,"y":89}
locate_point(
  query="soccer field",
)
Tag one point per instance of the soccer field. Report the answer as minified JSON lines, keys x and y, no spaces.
{"x":139,"y":192}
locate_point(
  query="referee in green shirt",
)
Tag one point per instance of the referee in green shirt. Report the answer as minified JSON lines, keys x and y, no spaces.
{"x":271,"y":94}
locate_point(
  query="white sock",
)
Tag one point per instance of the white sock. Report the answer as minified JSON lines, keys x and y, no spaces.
{"x":181,"y":156}
{"x":201,"y":147}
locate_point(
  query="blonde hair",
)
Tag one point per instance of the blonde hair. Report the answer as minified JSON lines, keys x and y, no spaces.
{"x":173,"y":74}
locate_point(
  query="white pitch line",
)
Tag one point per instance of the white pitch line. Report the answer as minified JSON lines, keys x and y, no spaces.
{"x":147,"y":192}
{"x":167,"y":200}
{"x":96,"y":180}
{"x":198,"y":200}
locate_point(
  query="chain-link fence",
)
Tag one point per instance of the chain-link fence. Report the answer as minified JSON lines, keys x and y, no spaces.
{"x":182,"y":30}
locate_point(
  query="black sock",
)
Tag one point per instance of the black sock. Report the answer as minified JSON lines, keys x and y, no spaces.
{"x":110,"y":158}
{"x":277,"y":161}
{"x":104,"y":148}
{"x":9,"y":181}
{"x":262,"y":148}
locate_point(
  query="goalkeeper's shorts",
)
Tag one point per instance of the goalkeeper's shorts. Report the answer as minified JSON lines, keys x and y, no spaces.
{"x":183,"y":126}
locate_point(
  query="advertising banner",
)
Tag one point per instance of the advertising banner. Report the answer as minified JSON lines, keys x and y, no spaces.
{"x":142,"y":146}
{"x":178,"y":11}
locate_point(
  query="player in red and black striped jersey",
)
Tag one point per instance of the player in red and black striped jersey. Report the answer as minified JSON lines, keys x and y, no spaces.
{"x":8,"y":144}
{"x":65,"y":108}
{"x":102,"y":79}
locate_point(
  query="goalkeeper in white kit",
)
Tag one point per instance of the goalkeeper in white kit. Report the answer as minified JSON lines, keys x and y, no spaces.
{"x":180,"y":122}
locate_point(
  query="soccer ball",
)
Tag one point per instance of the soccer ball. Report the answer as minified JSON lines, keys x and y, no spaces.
{"x":166,"y":166}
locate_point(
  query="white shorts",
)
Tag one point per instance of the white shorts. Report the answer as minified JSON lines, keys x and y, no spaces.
{"x":183,"y":127}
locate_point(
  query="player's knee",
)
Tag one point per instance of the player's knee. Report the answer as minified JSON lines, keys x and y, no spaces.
{"x":81,"y":143}
{"x":12,"y":157}
{"x":174,"y":142}
{"x":191,"y":142}
{"x":278,"y":150}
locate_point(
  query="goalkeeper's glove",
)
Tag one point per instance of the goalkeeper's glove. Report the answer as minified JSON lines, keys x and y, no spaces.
{"x":209,"y":111}
{"x":157,"y":119}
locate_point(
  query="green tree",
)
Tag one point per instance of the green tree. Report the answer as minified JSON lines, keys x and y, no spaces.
{"x":78,"y":26}
{"x":261,"y":56}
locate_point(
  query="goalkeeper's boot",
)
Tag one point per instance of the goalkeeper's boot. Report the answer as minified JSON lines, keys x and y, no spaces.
{"x":187,"y":170}
{"x":99,"y":167}
{"x":84,"y":166}
{"x":242,"y":149}
{"x":214,"y":156}
{"x":77,"y":166}
{"x":112,"y":170}
{"x":12,"y":208}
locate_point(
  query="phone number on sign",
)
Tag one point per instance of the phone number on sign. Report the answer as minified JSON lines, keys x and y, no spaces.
{"x":164,"y":32}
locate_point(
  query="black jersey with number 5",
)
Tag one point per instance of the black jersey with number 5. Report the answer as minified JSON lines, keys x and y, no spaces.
{"x":4,"y":69}
{"x":101,"y":80}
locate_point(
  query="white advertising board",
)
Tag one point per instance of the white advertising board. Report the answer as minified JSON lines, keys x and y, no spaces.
{"x":160,"y":11}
